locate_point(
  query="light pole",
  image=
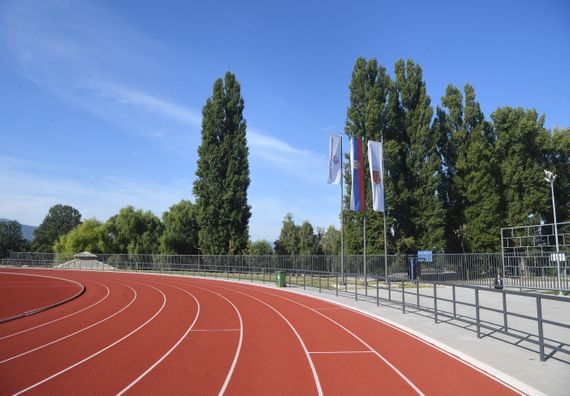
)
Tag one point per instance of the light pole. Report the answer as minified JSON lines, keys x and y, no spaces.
{"x":550,"y":177}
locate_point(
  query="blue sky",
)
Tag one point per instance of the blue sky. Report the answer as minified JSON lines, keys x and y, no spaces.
{"x":101,"y":100}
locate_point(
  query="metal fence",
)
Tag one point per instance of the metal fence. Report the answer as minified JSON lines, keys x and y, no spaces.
{"x":449,"y":287}
{"x":531,"y":271}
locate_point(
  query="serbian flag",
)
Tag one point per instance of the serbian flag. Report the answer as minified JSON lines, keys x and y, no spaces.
{"x":357,"y":168}
{"x":335,"y":159}
{"x":376,"y":174}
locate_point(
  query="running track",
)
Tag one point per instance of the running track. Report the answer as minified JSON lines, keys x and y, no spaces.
{"x":151,"y":334}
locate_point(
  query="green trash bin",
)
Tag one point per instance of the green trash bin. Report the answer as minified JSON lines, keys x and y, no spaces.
{"x":281,"y":278}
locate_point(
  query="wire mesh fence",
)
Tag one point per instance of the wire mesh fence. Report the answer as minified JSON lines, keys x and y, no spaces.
{"x":532,"y":271}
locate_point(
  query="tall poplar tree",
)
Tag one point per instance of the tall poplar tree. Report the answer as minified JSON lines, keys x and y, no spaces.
{"x":470,"y":183}
{"x":560,"y":165}
{"x":423,"y":160}
{"x":366,"y":118}
{"x":223,"y":172}
{"x":522,"y":147}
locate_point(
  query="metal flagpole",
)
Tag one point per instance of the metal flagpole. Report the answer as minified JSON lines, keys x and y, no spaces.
{"x":341,"y":214}
{"x":365,"y":280}
{"x":385,"y":235}
{"x":364,"y":256}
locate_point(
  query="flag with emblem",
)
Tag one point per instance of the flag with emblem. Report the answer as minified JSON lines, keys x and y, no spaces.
{"x":335,"y":159}
{"x":376,"y":174}
{"x":357,"y":172}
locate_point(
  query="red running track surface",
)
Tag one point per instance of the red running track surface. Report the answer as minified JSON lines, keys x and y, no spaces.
{"x":24,"y":294}
{"x":150,"y":334}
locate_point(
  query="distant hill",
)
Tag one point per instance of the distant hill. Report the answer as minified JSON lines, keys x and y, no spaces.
{"x":27,"y":230}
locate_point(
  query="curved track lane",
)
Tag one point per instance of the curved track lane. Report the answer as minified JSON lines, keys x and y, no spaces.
{"x":150,"y":334}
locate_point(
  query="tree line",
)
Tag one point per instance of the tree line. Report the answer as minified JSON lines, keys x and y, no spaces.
{"x":452,"y":177}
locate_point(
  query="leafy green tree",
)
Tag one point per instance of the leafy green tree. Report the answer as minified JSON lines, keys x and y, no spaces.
{"x":522,"y":147}
{"x":180,"y":234}
{"x":59,"y":221}
{"x":134,"y":231}
{"x":223,"y":172}
{"x":88,"y":236}
{"x":260,"y":247}
{"x":367,"y":119}
{"x":307,"y":240}
{"x":423,"y":161}
{"x":288,"y":242}
{"x":330,"y":241}
{"x":560,"y":165}
{"x":470,"y":185}
{"x":11,"y":238}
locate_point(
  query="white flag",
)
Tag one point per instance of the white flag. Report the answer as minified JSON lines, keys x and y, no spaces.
{"x":335,"y":159}
{"x":376,"y":175}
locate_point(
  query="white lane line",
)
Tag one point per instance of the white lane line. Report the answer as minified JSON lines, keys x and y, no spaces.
{"x":337,"y":352}
{"x":100,"y":351}
{"x":75,"y":332}
{"x":437,"y":345}
{"x":328,"y":309}
{"x":213,"y":330}
{"x":63,"y":317}
{"x":240,"y":342}
{"x":44,"y":308}
{"x":140,"y":377}
{"x":309,"y":359}
{"x":394,"y":368}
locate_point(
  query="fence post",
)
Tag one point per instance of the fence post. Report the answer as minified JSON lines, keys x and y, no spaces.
{"x":403,"y":298}
{"x":418,"y":293}
{"x":356,"y":287}
{"x":304,"y":280}
{"x":505,"y":310}
{"x":337,"y":284}
{"x":453,"y":298}
{"x":377,"y":293}
{"x":540,"y":328}
{"x":319,"y":274}
{"x":477,"y":313}
{"x":435,"y":301}
{"x":389,"y":290}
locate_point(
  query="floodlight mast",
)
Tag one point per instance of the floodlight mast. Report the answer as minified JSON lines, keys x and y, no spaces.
{"x":550,"y":177}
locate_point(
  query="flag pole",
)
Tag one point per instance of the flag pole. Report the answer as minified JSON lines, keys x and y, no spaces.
{"x":364,"y":198}
{"x":385,"y":235}
{"x":385,"y":213}
{"x":365,"y":277}
{"x":341,"y":213}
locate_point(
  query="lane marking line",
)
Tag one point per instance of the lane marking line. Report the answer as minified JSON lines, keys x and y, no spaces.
{"x":337,"y":352}
{"x":213,"y":330}
{"x":75,"y":332}
{"x":100,"y":351}
{"x":240,"y":342}
{"x":380,"y":356}
{"x":44,"y":308}
{"x":63,"y":317}
{"x":148,"y":370}
{"x":310,"y":360}
{"x":483,"y":368}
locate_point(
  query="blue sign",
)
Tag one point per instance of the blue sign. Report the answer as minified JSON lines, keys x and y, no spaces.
{"x":425,"y":255}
